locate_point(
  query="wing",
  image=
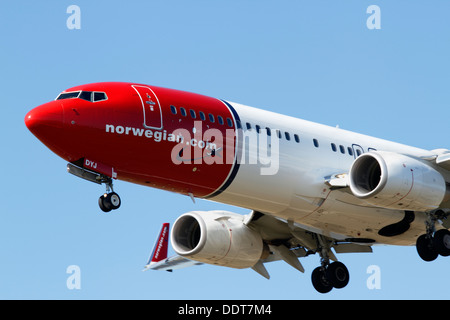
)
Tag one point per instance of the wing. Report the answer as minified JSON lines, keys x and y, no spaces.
{"x":285,"y":241}
{"x":289,"y":241}
{"x":443,"y":159}
{"x":172,"y":263}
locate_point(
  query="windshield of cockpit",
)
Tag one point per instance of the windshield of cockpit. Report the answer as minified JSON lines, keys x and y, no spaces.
{"x":92,"y":96}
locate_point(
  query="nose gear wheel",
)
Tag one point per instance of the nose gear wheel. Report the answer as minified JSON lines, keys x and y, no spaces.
{"x":109,"y":201}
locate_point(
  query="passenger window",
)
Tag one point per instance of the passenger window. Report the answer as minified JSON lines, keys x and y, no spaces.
{"x":193,"y":115}
{"x":211,"y":118}
{"x":350,"y":151}
{"x":202,"y":116}
{"x":279,"y":134}
{"x":269,"y":133}
{"x":341,"y":147}
{"x":183,"y":112}
{"x":173,"y":109}
{"x":316,"y":143}
{"x":249,"y":126}
{"x":297,"y":138}
{"x":229,"y":122}
{"x":288,"y":136}
{"x":333,"y":147}
{"x":258,"y":128}
{"x":220,"y":119}
{"x":238,"y":124}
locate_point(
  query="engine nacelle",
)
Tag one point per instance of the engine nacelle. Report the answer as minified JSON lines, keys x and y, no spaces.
{"x":396,"y":181}
{"x":216,"y":237}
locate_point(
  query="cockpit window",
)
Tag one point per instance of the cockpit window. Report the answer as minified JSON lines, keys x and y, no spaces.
{"x":85,"y":95}
{"x":68,"y":95}
{"x":99,"y":96}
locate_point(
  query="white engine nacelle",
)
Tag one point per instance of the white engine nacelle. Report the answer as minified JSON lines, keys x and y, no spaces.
{"x":396,"y":181}
{"x":216,"y":237}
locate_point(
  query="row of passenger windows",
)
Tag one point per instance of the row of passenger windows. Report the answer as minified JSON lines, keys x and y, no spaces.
{"x":343,"y":150}
{"x":279,"y":133}
{"x":286,"y":135}
{"x":202,"y":116}
{"x":229,"y":122}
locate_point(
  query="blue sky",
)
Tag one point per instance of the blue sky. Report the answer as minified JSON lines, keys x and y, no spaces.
{"x":315,"y":60}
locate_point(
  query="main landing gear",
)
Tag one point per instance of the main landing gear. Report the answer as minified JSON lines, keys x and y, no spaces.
{"x":328,"y":275}
{"x":434,"y":243}
{"x":109,"y":200}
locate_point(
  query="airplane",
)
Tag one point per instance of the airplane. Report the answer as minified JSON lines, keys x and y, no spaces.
{"x":308,"y":188}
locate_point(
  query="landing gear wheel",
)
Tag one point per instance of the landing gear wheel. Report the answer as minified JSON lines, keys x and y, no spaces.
{"x":102,"y":203}
{"x":337,"y":275}
{"x":113,"y":200}
{"x":109,"y":201}
{"x":320,"y":281}
{"x":425,"y":248}
{"x":441,"y":242}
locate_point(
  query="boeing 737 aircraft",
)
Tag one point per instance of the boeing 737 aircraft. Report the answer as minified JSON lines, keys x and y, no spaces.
{"x":309,"y":188}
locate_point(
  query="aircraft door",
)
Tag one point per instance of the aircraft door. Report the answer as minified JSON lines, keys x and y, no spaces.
{"x":152,"y":114}
{"x":357,"y":150}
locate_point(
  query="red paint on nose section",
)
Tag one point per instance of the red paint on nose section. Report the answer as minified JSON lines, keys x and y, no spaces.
{"x":49,"y":115}
{"x":141,"y":133}
{"x":46,"y":123}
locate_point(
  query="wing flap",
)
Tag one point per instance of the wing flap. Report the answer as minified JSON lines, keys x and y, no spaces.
{"x":352,"y":248}
{"x":443,"y":160}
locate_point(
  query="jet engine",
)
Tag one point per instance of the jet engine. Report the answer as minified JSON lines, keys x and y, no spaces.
{"x":217,"y":237}
{"x":396,"y":181}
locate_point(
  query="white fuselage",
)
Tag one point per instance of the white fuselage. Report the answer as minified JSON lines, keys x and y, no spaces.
{"x":293,"y":186}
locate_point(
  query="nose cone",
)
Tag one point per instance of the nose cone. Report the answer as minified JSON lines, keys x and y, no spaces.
{"x":46,"y":123}
{"x":44,"y":118}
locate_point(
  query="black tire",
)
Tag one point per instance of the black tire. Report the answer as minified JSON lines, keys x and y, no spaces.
{"x":425,"y":248}
{"x":337,"y":275}
{"x":319,"y":281}
{"x":113,"y":201}
{"x":102,"y":204}
{"x":441,"y":242}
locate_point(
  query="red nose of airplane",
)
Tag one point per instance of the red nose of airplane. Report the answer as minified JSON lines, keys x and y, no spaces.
{"x":46,"y":122}
{"x":44,"y":117}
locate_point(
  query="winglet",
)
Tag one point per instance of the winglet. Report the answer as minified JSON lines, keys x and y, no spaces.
{"x":160,"y":249}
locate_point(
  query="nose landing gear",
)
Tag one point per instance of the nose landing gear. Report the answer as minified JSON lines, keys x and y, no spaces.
{"x":109,"y":200}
